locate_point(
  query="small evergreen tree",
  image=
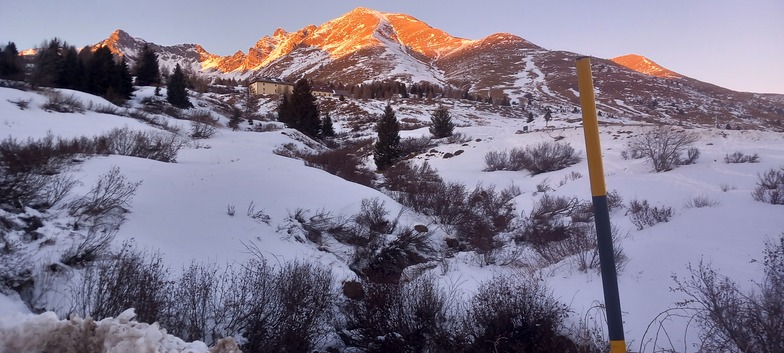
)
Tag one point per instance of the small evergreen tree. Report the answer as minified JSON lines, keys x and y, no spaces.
{"x":547,"y":117}
{"x":530,"y":117}
{"x":441,"y":123}
{"x":176,"y":94}
{"x":147,"y":70}
{"x":100,"y":70}
{"x":327,"y":130}
{"x":387,"y":147}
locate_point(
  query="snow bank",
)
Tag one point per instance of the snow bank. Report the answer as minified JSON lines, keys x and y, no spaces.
{"x":22,"y":333}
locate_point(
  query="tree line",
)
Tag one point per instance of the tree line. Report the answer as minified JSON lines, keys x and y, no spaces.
{"x":93,"y":70}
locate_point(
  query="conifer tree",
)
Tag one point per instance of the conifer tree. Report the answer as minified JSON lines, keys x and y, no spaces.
{"x":71,"y":73}
{"x":305,"y":112}
{"x":147,"y":70}
{"x":387,"y":147}
{"x":327,"y":130}
{"x":441,"y":123}
{"x":121,"y":83}
{"x":176,"y":94}
{"x":285,"y":111}
{"x":100,"y":71}
{"x":48,"y":63}
{"x":10,"y":63}
{"x":530,"y":117}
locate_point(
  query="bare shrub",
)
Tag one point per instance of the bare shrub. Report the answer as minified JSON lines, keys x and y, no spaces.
{"x":414,"y":317}
{"x":701,"y":201}
{"x":550,"y":156}
{"x":105,"y":205}
{"x":192,"y":302}
{"x":614,"y":200}
{"x":89,"y":248}
{"x":61,"y":103}
{"x":513,"y":315}
{"x":344,"y":162}
{"x":458,"y":138}
{"x":692,"y":154}
{"x":486,"y":214}
{"x":663,"y":146}
{"x":727,"y":187}
{"x":231,"y":210}
{"x":541,"y":158}
{"x":642,"y":214}
{"x":733,"y":320}
{"x":740,"y":157}
{"x":130,"y":279}
{"x":251,"y":212}
{"x":373,"y":215}
{"x":551,"y":219}
{"x":382,"y":262}
{"x":30,"y":173}
{"x":22,"y":104}
{"x":496,"y":160}
{"x":296,"y":314}
{"x":106,"y":109}
{"x":415,"y":145}
{"x":159,"y":146}
{"x":588,"y":244}
{"x":770,"y":187}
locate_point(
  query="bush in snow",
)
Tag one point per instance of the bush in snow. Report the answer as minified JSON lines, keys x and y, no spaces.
{"x":61,"y":103}
{"x":514,"y":315}
{"x":664,"y":147}
{"x":383,"y":262}
{"x":740,"y":157}
{"x":129,"y":279}
{"x":642,"y":214}
{"x":105,"y":205}
{"x":541,"y":158}
{"x":731,"y":319}
{"x":344,"y":162}
{"x":417,"y":316}
{"x":770,"y":187}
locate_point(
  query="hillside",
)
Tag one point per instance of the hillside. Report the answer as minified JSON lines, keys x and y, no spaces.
{"x":182,"y":209}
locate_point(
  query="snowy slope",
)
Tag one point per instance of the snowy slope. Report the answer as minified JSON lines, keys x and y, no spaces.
{"x":180,"y":208}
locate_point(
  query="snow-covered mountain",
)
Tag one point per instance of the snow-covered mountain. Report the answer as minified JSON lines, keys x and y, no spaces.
{"x":366,"y":45}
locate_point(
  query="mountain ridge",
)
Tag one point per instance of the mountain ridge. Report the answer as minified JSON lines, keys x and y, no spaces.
{"x":365,"y":45}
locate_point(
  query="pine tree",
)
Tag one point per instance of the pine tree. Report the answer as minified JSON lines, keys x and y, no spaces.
{"x":327,"y":129}
{"x":530,"y":117}
{"x":10,"y":63}
{"x":48,"y":64}
{"x":176,"y":94}
{"x":285,"y":111}
{"x":147,"y":70}
{"x":300,"y":111}
{"x":100,"y":71}
{"x":387,"y":147}
{"x":121,"y":85}
{"x":441,"y":123}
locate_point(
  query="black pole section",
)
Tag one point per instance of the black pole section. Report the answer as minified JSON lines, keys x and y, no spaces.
{"x":612,"y":299}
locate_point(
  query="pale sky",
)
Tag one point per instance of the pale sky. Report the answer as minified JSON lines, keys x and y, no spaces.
{"x":737,"y":44}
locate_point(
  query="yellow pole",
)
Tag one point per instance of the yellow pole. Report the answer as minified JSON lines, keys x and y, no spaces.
{"x":593,"y":151}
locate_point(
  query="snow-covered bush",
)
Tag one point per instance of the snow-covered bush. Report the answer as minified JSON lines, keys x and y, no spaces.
{"x":343,"y":161}
{"x":663,"y":146}
{"x":61,"y":103}
{"x":642,"y":214}
{"x":770,"y":187}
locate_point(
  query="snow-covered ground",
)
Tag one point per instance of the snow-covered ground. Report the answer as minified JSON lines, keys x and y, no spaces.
{"x":180,"y":208}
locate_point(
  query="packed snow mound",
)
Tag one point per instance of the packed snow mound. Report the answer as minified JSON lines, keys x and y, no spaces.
{"x":25,"y":333}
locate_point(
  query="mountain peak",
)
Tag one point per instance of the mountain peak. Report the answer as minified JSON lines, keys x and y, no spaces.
{"x":644,"y":65}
